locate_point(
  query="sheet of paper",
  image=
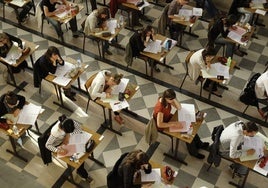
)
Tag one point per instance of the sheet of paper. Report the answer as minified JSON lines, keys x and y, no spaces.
{"x":236,"y":35}
{"x":73,"y":148}
{"x":81,"y":138}
{"x":187,"y":113}
{"x":113,"y":99}
{"x":153,"y":47}
{"x":185,"y":127}
{"x":19,"y":3}
{"x":13,"y":54}
{"x":121,"y":87}
{"x":252,"y":143}
{"x":65,"y":69}
{"x":261,"y":12}
{"x":264,"y":139}
{"x":186,"y":13}
{"x":215,"y":70}
{"x":263,"y":171}
{"x":135,"y":2}
{"x":62,"y":81}
{"x":197,"y":11}
{"x":119,"y":105}
{"x":63,"y":14}
{"x":146,"y":4}
{"x":154,"y":176}
{"x":29,"y":114}
{"x":112,"y":25}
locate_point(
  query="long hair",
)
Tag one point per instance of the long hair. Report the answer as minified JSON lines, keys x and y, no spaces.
{"x":52,"y":50}
{"x":208,"y":51}
{"x":168,"y":94}
{"x":149,"y":28}
{"x":117,"y":78}
{"x":136,"y":158}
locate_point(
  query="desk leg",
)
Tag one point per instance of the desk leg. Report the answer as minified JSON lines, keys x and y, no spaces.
{"x":37,"y":131}
{"x":179,"y":44}
{"x":174,"y":155}
{"x":14,"y":152}
{"x":61,"y":104}
{"x":243,"y":183}
{"x":190,"y":33}
{"x":66,"y":175}
{"x":11,"y":75}
{"x":91,"y":157}
{"x":108,"y":124}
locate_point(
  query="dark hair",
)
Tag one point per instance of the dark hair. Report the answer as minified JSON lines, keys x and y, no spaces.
{"x":52,"y":50}
{"x":11,"y":98}
{"x":136,"y":158}
{"x":231,"y":20}
{"x":208,"y":51}
{"x":148,"y":170}
{"x":168,"y":94}
{"x":149,"y":28}
{"x":250,"y":127}
{"x":67,"y":125}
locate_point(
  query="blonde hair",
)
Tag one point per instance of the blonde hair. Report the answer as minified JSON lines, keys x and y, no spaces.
{"x":5,"y":36}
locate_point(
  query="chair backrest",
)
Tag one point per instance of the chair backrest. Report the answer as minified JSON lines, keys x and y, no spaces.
{"x":187,"y":59}
{"x":163,"y":20}
{"x":89,"y":82}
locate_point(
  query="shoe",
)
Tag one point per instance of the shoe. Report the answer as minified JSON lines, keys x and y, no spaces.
{"x":108,"y":52}
{"x":239,"y":53}
{"x":204,"y":145}
{"x":199,"y":156}
{"x":119,"y":120}
{"x":88,"y":179}
{"x":156,"y":69}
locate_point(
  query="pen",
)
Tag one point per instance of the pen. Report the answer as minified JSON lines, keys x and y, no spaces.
{"x":116,"y":103}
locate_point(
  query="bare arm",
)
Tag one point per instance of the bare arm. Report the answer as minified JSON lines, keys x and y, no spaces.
{"x":162,"y":124}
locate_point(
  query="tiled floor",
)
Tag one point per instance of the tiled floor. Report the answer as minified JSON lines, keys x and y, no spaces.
{"x":220,"y":111}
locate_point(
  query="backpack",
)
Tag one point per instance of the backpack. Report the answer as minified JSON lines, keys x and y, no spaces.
{"x":248,"y":96}
{"x":112,"y":177}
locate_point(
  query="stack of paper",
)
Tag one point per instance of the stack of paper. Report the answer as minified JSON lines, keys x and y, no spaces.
{"x":255,"y":143}
{"x":153,"y":47}
{"x":154,"y":176}
{"x":62,"y":74}
{"x":216,"y":69}
{"x":13,"y":55}
{"x":29,"y":114}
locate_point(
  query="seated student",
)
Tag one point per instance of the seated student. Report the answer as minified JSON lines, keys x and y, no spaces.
{"x":48,"y":63}
{"x":201,"y":60}
{"x":217,"y":34}
{"x":162,"y":114}
{"x":6,"y":42}
{"x":22,"y":12}
{"x":261,"y":88}
{"x":237,"y":8}
{"x":140,"y":40}
{"x":130,"y":166}
{"x":98,"y":20}
{"x":232,"y":138}
{"x":10,"y":103}
{"x":49,"y":8}
{"x":175,"y":29}
{"x":102,"y":87}
{"x":209,"y":6}
{"x":60,"y":135}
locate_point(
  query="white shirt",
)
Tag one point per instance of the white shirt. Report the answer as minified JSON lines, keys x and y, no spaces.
{"x":97,"y":87}
{"x":231,"y":137}
{"x":261,"y":87}
{"x":91,"y":22}
{"x":196,"y":64}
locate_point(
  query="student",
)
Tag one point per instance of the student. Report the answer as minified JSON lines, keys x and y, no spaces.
{"x":175,"y":29}
{"x":60,"y":134}
{"x":10,"y":103}
{"x":201,"y":59}
{"x":217,"y":34}
{"x":22,"y":12}
{"x":130,"y":166}
{"x":48,"y":63}
{"x":98,"y":20}
{"x":49,"y":8}
{"x":209,"y":6}
{"x":6,"y":42}
{"x":102,"y":87}
{"x":261,"y":88}
{"x":140,"y":40}
{"x":237,"y":8}
{"x":162,"y":114}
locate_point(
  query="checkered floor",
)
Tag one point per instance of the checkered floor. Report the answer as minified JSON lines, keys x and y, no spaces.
{"x":220,"y":110}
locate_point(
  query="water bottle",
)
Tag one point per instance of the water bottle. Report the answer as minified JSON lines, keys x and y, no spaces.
{"x":229,"y":61}
{"x":15,"y":130}
{"x":167,"y":45}
{"x":78,"y":63}
{"x":190,"y":131}
{"x":121,"y":21}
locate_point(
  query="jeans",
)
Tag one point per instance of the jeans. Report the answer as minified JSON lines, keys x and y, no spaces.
{"x":176,"y":30}
{"x":230,"y":46}
{"x":57,"y":25}
{"x":25,"y":10}
{"x":81,"y":171}
{"x":194,"y":145}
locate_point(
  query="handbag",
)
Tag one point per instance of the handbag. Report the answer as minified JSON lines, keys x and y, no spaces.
{"x":4,"y":126}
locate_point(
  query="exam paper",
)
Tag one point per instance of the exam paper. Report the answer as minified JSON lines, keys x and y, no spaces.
{"x":119,"y":105}
{"x":65,"y":69}
{"x":81,"y":138}
{"x":29,"y":113}
{"x":19,"y":3}
{"x":121,"y":87}
{"x":215,"y":70}
{"x":62,"y":81}
{"x":153,"y":47}
{"x":154,"y":176}
{"x":263,"y":171}
{"x":13,"y":54}
{"x":252,"y":143}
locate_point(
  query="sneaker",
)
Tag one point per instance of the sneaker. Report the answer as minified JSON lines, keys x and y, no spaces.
{"x":108,"y":52}
{"x":119,"y":120}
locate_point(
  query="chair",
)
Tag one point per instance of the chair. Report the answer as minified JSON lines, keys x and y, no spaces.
{"x":187,"y":61}
{"x":161,"y":22}
{"x":93,"y":39}
{"x":87,"y":86}
{"x":214,"y":156}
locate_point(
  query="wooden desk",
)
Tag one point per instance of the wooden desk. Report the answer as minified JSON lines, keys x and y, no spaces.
{"x":108,"y":123}
{"x":19,"y":61}
{"x":179,"y":136}
{"x":58,"y":87}
{"x":13,"y":138}
{"x":160,"y":57}
{"x":101,"y":40}
{"x":71,"y":166}
{"x":255,"y":17}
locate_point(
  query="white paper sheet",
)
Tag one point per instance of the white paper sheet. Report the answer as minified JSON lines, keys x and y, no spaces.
{"x":62,"y":81}
{"x":155,"y":176}
{"x":261,"y":12}
{"x":13,"y":54}
{"x":65,"y":69}
{"x":19,"y":3}
{"x":153,"y":47}
{"x":119,"y":105}
{"x":121,"y":87}
{"x":29,"y":114}
{"x":112,"y":25}
{"x":215,"y":70}
{"x":197,"y":11}
{"x":252,"y":143}
{"x":81,"y":138}
{"x":237,"y":34}
{"x":263,"y":171}
{"x":264,"y":139}
{"x":73,"y":148}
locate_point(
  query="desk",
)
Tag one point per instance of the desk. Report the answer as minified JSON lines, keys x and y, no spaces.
{"x":12,"y":138}
{"x":19,"y":61}
{"x":178,"y":136}
{"x":58,"y":87}
{"x":101,"y":39}
{"x":108,"y":123}
{"x":255,"y":17}
{"x":160,"y":57}
{"x":16,"y":4}
{"x":71,"y":166}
